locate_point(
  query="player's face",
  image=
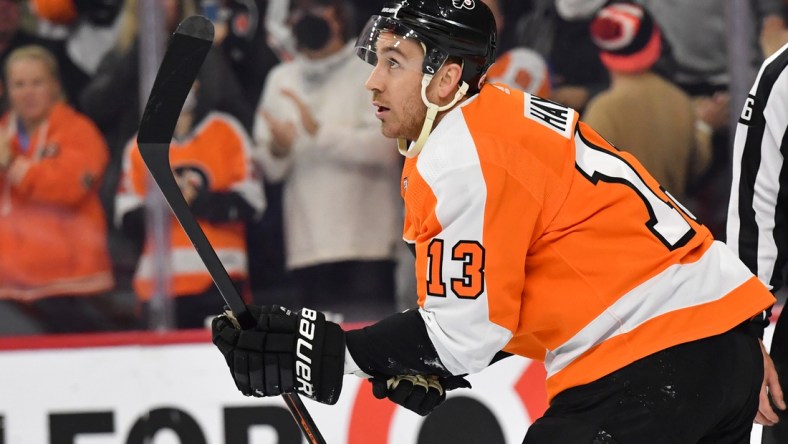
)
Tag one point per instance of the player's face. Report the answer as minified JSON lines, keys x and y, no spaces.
{"x":32,"y":89}
{"x":395,"y":83}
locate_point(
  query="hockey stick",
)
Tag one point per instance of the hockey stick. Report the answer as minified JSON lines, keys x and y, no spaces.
{"x":185,"y":54}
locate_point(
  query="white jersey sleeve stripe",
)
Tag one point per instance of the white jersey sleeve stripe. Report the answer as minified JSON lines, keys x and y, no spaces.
{"x":684,"y":282}
{"x":463,"y":335}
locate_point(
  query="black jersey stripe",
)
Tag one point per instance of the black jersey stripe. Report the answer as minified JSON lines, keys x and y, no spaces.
{"x":751,"y":160}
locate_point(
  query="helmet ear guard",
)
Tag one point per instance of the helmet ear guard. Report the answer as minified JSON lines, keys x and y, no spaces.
{"x":433,"y":60}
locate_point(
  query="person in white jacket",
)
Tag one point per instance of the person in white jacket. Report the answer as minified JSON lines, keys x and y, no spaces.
{"x":341,"y":207}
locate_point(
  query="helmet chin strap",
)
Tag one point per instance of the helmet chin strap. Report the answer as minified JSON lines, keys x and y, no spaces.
{"x":429,"y":120}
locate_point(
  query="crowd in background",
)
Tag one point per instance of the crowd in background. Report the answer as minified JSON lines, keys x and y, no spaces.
{"x":279,"y":154}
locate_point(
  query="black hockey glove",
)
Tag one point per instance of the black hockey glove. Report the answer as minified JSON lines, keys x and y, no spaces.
{"x":285,"y":352}
{"x":417,"y":393}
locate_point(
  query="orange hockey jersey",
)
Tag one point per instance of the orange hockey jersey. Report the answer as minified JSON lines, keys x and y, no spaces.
{"x":217,"y":157}
{"x":53,"y":233}
{"x":535,"y":236}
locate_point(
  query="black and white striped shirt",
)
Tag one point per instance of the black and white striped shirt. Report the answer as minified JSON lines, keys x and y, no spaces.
{"x":758,"y":210}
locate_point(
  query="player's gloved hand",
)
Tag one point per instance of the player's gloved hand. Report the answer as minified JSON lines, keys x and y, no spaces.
{"x":417,"y":393}
{"x":284,"y":352}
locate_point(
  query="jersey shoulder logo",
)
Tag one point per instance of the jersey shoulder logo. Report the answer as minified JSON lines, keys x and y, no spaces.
{"x":555,"y":116}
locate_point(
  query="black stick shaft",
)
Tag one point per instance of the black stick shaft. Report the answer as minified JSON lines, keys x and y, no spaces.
{"x":185,"y":54}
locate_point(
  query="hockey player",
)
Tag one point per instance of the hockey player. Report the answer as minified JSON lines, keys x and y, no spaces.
{"x":757,"y":229}
{"x":533,"y":236}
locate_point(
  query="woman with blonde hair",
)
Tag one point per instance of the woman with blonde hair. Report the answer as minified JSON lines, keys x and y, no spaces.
{"x":54,"y":263}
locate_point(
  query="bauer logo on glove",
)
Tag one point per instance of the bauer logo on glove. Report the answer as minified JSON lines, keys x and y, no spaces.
{"x":304,"y":350}
{"x":284,"y":352}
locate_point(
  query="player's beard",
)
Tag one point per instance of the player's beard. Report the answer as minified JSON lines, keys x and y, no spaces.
{"x":408,"y":120}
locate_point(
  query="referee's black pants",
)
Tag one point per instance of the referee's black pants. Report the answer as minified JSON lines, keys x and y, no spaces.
{"x":704,"y":392}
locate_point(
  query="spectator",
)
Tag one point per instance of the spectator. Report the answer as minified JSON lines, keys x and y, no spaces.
{"x":642,"y":112}
{"x":112,"y":97}
{"x":519,"y":67}
{"x":86,"y":29}
{"x":698,"y":32}
{"x":53,"y":261}
{"x":246,"y":47}
{"x":251,"y":57}
{"x":102,"y":12}
{"x":560,"y":35}
{"x":314,"y":132}
{"x":112,"y":100}
{"x":211,"y":159}
{"x":757,"y":227}
{"x":13,"y":35}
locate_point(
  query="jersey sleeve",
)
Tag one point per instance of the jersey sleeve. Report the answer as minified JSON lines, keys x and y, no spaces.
{"x":472,"y":222}
{"x":275,"y":168}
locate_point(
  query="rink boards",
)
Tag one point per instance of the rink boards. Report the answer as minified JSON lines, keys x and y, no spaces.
{"x":137,"y":388}
{"x":174,"y":388}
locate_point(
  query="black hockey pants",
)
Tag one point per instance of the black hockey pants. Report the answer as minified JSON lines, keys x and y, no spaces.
{"x":703,"y":392}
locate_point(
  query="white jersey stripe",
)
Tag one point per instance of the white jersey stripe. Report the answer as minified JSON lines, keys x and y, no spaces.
{"x":647,"y":301}
{"x":757,"y":152}
{"x":732,"y":226}
{"x":463,"y":334}
{"x":767,"y":181}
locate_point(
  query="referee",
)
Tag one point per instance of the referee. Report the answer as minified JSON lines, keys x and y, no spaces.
{"x":758,"y":219}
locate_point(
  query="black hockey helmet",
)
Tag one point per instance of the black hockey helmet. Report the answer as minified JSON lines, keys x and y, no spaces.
{"x":448,"y":28}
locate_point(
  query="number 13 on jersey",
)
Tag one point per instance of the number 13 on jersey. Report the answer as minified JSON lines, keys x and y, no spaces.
{"x":471,"y":255}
